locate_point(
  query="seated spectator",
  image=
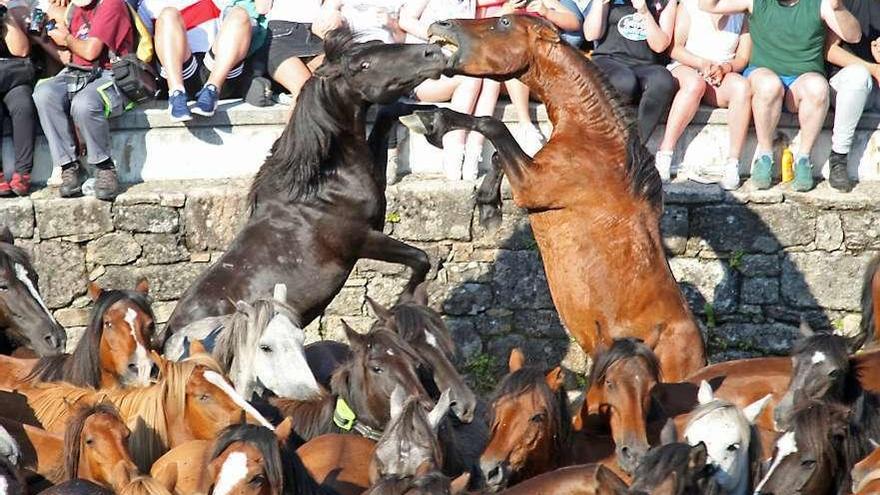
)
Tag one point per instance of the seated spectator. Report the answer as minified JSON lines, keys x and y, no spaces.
{"x":84,"y":92}
{"x":630,"y":38}
{"x":202,"y":50}
{"x":709,"y":51}
{"x":854,"y":81}
{"x":369,"y":20}
{"x":787,"y":66}
{"x":15,"y":92}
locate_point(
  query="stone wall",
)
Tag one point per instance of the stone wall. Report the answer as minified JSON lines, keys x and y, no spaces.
{"x":751,"y":263}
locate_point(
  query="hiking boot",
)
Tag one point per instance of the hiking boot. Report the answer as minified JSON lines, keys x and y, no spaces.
{"x":206,"y":101}
{"x":838,"y":177}
{"x":762,"y":172}
{"x":803,"y":175}
{"x":177,"y":106}
{"x":106,"y":183}
{"x":70,"y":181}
{"x":20,"y":184}
{"x":5,"y":190}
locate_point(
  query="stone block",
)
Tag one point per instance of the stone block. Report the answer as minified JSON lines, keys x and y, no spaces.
{"x":459,"y":273}
{"x":167,"y":282}
{"x":466,"y":337}
{"x":539,"y":323}
{"x":827,"y":280}
{"x":213,"y":216}
{"x":520,"y":282}
{"x":73,"y":336}
{"x":115,"y":248}
{"x":160,"y":249}
{"x":73,"y":317}
{"x":760,"y":290}
{"x":577,"y":360}
{"x":763,"y":229}
{"x":430,"y":210}
{"x":829,"y":232}
{"x":331,"y":326}
{"x":384,"y":290}
{"x":862,"y":230}
{"x":62,"y":270}
{"x":674,"y":227}
{"x":162,"y":310}
{"x":775,"y":338}
{"x":691,"y":193}
{"x":72,"y":216}
{"x":759,"y":265}
{"x":18,"y":215}
{"x":146,"y":218}
{"x":467,"y":299}
{"x":707,"y":281}
{"x":348,"y":302}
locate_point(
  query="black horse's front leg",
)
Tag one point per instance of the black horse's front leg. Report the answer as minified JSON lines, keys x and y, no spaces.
{"x":379,"y":246}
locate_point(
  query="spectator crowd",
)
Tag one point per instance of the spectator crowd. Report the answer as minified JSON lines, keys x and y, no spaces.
{"x":757,"y":58}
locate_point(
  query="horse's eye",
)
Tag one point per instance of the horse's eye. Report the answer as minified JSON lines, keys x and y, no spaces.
{"x":108,"y":324}
{"x":376,"y":369}
{"x":204,"y":397}
{"x":89,"y":441}
{"x":365,"y":65}
{"x":505,"y":22}
{"x":733,"y":447}
{"x":808,"y":463}
{"x":609,"y":385}
{"x":265,"y":348}
{"x":4,"y":287}
{"x":257,"y":480}
{"x":538,"y":418}
{"x":835,"y":373}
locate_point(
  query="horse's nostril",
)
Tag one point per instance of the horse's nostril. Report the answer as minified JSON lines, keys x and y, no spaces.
{"x":132,"y":367}
{"x":154,"y":371}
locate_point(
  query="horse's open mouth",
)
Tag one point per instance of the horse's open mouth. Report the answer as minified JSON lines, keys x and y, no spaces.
{"x":447,"y":45}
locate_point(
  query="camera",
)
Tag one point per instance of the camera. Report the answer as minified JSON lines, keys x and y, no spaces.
{"x":3,"y":11}
{"x":37,"y":24}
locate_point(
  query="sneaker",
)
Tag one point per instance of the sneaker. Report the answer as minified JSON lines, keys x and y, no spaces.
{"x":20,"y":184}
{"x":529,"y":138}
{"x":730,"y":176}
{"x":663,"y":162}
{"x":106,"y":183}
{"x":5,"y":189}
{"x":70,"y":181}
{"x":473,"y":156}
{"x":838,"y":177}
{"x":762,"y":172}
{"x":453,"y":157}
{"x":178,"y":107}
{"x":206,"y":101}
{"x":803,"y":175}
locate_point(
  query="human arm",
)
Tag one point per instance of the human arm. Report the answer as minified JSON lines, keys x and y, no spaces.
{"x":726,"y":6}
{"x":841,"y":57}
{"x":89,"y":49}
{"x":659,"y":33}
{"x":596,"y":19}
{"x":555,"y":12}
{"x":14,"y":37}
{"x":329,"y":18}
{"x":840,"y":20}
{"x":410,"y":18}
{"x":679,"y":53}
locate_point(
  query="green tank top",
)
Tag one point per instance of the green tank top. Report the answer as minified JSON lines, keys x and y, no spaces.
{"x":789,"y":40}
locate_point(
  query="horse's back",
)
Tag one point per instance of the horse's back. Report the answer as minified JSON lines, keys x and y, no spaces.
{"x":571,"y":480}
{"x":340,"y":462}
{"x":180,"y":469}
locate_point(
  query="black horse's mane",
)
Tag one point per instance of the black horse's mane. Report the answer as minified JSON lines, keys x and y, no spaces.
{"x":866,"y":329}
{"x":622,"y":349}
{"x":83,"y":366}
{"x":532,"y":378}
{"x":302,"y":157}
{"x":660,"y":462}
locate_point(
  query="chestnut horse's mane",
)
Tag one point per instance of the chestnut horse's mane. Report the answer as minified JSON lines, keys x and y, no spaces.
{"x":144,"y":485}
{"x":302,"y":157}
{"x":72,"y":438}
{"x":867,"y":332}
{"x":622,"y":349}
{"x":143,"y":409}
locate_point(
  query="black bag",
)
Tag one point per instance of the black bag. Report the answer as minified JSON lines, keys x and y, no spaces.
{"x":15,"y":72}
{"x":136,"y":79}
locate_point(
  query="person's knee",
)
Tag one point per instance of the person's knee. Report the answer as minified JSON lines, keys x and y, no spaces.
{"x":238,"y":17}
{"x":169,"y":17}
{"x":83,"y":107}
{"x":626,"y":84}
{"x":692,"y":87}
{"x":18,"y":102}
{"x":740,"y":90}
{"x":44,"y":97}
{"x":766,"y":86}
{"x":815,"y":90}
{"x":853,"y":78}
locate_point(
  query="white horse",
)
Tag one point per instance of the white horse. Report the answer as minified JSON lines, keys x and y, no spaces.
{"x":259,"y":347}
{"x":730,"y":437}
{"x":9,"y":449}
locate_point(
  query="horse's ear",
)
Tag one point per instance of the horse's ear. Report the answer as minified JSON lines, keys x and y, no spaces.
{"x":197,"y":347}
{"x":805,"y":328}
{"x":858,"y":409}
{"x":555,"y":378}
{"x":697,"y":457}
{"x":668,"y":434}
{"x":435,"y":417}
{"x":6,"y":235}
{"x":95,"y":291}
{"x":354,"y":338}
{"x":459,"y":485}
{"x":420,"y":295}
{"x":398,"y":397}
{"x":328,"y":70}
{"x":873,"y":443}
{"x":283,"y":430}
{"x":608,"y":482}
{"x":545,"y":31}
{"x":280,"y":293}
{"x":516,"y":361}
{"x":143,"y":286}
{"x":380,"y":311}
{"x":753,"y":410}
{"x":705,"y":395}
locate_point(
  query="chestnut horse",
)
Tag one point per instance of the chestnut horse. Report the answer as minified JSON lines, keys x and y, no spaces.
{"x":870,"y":326}
{"x":317,"y":205}
{"x":24,"y":317}
{"x":339,"y":462}
{"x":93,"y":447}
{"x":113,"y":351}
{"x":866,"y":473}
{"x":593,"y":195}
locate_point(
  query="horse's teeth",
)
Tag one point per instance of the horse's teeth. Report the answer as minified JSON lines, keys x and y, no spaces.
{"x":447,"y":50}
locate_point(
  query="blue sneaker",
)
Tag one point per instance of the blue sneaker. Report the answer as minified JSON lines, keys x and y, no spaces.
{"x":762,"y":172}
{"x":206,"y":101}
{"x":178,"y":108}
{"x":803,"y":175}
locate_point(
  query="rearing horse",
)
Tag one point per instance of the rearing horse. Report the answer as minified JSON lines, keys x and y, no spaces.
{"x":317,"y":204}
{"x":592,"y":193}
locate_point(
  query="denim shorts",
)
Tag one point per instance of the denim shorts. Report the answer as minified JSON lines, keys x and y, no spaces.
{"x":787,"y":81}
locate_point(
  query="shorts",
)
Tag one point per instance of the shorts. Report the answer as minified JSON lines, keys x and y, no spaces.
{"x":787,"y":81}
{"x":290,"y":39}
{"x":197,"y":69}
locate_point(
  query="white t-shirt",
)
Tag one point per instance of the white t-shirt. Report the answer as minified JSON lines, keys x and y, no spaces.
{"x":706,"y":39}
{"x":202,"y":18}
{"x":369,"y":19}
{"x":441,"y":10}
{"x":304,"y":11}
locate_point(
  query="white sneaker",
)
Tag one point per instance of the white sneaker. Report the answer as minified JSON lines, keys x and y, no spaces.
{"x":730,"y":176}
{"x":529,"y":138}
{"x":453,"y":156}
{"x":663,"y":162}
{"x":473,"y":156}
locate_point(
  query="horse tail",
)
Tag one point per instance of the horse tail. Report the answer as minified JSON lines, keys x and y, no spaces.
{"x":867,"y":330}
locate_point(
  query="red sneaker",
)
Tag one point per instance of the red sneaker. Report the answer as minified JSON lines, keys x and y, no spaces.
{"x":20,"y":184}
{"x":5,"y":190}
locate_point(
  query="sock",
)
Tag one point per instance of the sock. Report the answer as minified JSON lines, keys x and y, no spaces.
{"x":176,"y":88}
{"x":761,"y":154}
{"x":801,"y":156}
{"x":69,"y":165}
{"x":105,"y":165}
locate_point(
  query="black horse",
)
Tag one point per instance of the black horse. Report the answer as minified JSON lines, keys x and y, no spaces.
{"x":318,"y":203}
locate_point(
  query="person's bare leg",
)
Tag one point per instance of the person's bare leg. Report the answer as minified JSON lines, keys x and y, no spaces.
{"x":231,"y":45}
{"x":485,"y":107}
{"x":809,"y":97}
{"x":171,"y":46}
{"x":292,"y":74}
{"x":735,"y":94}
{"x":684,"y":105}
{"x":767,"y":93}
{"x":519,"y":96}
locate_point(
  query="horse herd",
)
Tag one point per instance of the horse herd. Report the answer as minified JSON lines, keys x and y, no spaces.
{"x":227,"y":399}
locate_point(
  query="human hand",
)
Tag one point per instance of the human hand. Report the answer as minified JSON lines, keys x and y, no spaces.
{"x":60,"y":3}
{"x":835,"y":4}
{"x":539,"y":7}
{"x":263,"y":6}
{"x":641,"y":6}
{"x":59,"y":34}
{"x":511,"y":6}
{"x":327,"y":23}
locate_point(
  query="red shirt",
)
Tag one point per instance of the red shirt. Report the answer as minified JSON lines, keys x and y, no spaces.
{"x":110,"y":22}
